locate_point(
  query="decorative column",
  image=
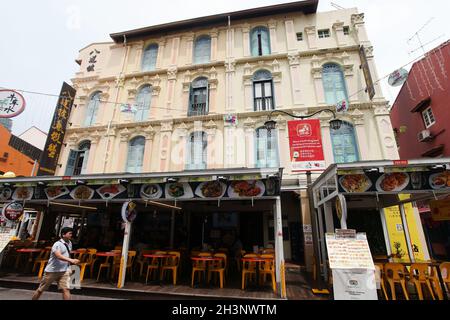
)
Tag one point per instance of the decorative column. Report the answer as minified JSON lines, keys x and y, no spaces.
{"x":154,"y":106}
{"x":111,"y":145}
{"x":248,"y":88}
{"x":172,"y":80}
{"x":229,"y":145}
{"x":316,"y":71}
{"x":338,"y":27}
{"x":283,"y":143}
{"x":294,"y":66}
{"x":230,"y":43}
{"x":95,"y":139}
{"x":211,"y":130}
{"x":161,"y":48}
{"x":273,"y":36}
{"x":124,"y":136}
{"x":189,"y":47}
{"x":149,"y":134}
{"x":175,"y":51}
{"x":165,"y":145}
{"x":178,"y":153}
{"x":246,"y":39}
{"x":291,"y":38}
{"x":278,"y":86}
{"x":102,"y":108}
{"x":214,"y":34}
{"x":374,"y":72}
{"x":249,"y":129}
{"x":312,"y":37}
{"x":212,"y":81}
{"x":385,"y":133}
{"x":229,"y":80}
{"x":326,"y":138}
{"x":186,"y":92}
{"x":360,"y":28}
{"x":139,"y":47}
{"x":76,"y":116}
{"x":349,"y":74}
{"x":363,"y":143}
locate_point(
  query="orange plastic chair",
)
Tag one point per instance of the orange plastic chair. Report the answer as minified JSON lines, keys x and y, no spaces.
{"x":435,"y":283}
{"x":80,"y":255}
{"x":379,"y":277}
{"x":268,"y":268}
{"x":130,"y":263}
{"x":141,"y":261}
{"x":419,"y":274}
{"x":445,"y":270}
{"x":218,"y":267}
{"x":238,"y":260}
{"x":89,"y":261}
{"x":153,"y":266}
{"x":199,"y":267}
{"x":172,"y":264}
{"x":396,"y":273}
{"x":248,"y":269}
{"x":107,"y":264}
{"x":41,"y":260}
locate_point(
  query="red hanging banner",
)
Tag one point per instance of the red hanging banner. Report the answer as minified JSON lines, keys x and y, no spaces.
{"x":305,"y":141}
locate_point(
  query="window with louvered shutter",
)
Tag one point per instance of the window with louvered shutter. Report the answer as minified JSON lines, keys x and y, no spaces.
{"x":143,"y":102}
{"x":150,"y":57}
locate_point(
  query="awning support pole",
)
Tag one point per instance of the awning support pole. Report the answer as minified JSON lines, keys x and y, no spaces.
{"x":172,"y":229}
{"x":406,"y":231}
{"x":279,"y":249}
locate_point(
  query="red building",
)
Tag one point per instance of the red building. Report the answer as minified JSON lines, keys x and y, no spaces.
{"x":421,"y":114}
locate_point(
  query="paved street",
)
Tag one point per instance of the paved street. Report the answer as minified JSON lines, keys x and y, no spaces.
{"x":20,"y":294}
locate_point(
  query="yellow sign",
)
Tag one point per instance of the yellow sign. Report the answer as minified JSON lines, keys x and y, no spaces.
{"x":417,"y":242}
{"x":397,"y":239}
{"x":440,"y":210}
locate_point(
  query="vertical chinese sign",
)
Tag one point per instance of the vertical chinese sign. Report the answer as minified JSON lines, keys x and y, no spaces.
{"x":305,"y":141}
{"x":55,"y":138}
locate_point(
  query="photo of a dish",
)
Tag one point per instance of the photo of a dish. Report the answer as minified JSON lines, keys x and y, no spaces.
{"x":82,"y":193}
{"x":23,"y":193}
{"x":56,"y":192}
{"x":5,"y":193}
{"x":109,"y":192}
{"x":151,"y":191}
{"x":393,"y":182}
{"x":179,"y":191}
{"x":246,"y":189}
{"x":211,"y":189}
{"x":440,"y":180}
{"x":355,"y":183}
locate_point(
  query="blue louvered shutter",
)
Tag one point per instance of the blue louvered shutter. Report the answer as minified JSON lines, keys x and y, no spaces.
{"x":143,"y":102}
{"x":135,"y":159}
{"x":150,"y":57}
{"x":73,"y":155}
{"x":92,"y":110}
{"x":202,"y":50}
{"x":334,"y":85}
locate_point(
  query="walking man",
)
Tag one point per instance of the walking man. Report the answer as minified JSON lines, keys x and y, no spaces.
{"x":57,"y":269}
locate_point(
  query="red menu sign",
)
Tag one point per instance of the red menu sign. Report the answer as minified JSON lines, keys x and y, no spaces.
{"x":305,"y":141}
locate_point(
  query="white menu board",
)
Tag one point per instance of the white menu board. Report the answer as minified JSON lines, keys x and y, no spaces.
{"x":5,"y":238}
{"x":345,"y":253}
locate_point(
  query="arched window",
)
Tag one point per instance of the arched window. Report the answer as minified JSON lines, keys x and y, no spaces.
{"x":334,"y":84}
{"x":135,"y":158}
{"x":143,"y":101}
{"x":260,"y":41}
{"x":199,"y":98}
{"x":78,"y":160}
{"x":92,"y":109}
{"x":202,"y":50}
{"x":149,"y":58}
{"x":263,"y":91}
{"x":267,"y":148}
{"x":345,"y":148}
{"x":197,"y":146}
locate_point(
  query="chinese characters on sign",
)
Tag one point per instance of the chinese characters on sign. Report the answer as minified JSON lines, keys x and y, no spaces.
{"x":92,"y":60}
{"x":55,"y":138}
{"x":12,"y":104}
{"x":305,"y":141}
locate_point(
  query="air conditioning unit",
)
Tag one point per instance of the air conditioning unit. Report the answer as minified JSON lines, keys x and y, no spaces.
{"x":424,"y":136}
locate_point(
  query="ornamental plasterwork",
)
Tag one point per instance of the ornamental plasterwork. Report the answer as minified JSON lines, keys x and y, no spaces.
{"x":146,"y":80}
{"x":343,"y":60}
{"x":124,"y":135}
{"x":294,"y":59}
{"x":357,"y":117}
{"x":338,"y":25}
{"x":249,"y":123}
{"x":251,"y":69}
{"x":95,"y":137}
{"x":357,"y":18}
{"x":166,"y":126}
{"x":381,"y":111}
{"x":214,"y":33}
{"x":181,"y":131}
{"x":230,"y":66}
{"x":172,"y":73}
{"x":189,"y":76}
{"x":149,"y":133}
{"x":369,"y":51}
{"x":272,"y":23}
{"x":310,"y":30}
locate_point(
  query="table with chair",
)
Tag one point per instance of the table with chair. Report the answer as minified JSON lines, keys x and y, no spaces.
{"x":204,"y":262}
{"x":258,"y":267}
{"x":155,"y":265}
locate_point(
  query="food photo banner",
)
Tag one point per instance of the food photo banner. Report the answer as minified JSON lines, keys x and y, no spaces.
{"x":154,"y":191}
{"x":394,"y":182}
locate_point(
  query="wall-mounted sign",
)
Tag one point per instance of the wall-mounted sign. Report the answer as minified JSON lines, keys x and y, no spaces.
{"x":128,"y":108}
{"x":231,"y":119}
{"x":129,"y":212}
{"x":342,"y":107}
{"x":12,"y":103}
{"x":366,"y":70}
{"x":398,"y":77}
{"x":92,"y":60}
{"x":50,"y":155}
{"x":305,"y":141}
{"x":13,"y":211}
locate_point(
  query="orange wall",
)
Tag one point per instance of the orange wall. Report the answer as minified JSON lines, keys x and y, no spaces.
{"x":16,"y":162}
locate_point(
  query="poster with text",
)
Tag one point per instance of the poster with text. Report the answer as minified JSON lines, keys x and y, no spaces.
{"x":306,"y":148}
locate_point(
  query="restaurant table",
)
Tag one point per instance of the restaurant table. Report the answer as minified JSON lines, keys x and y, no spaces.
{"x":257,"y":260}
{"x":109,"y":255}
{"x":160,"y":258}
{"x":206,"y":259}
{"x":31,"y":251}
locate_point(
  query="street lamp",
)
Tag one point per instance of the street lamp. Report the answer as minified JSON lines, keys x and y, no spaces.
{"x":335,"y":123}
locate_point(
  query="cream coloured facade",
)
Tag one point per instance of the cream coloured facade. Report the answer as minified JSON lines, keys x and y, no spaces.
{"x":295,"y":62}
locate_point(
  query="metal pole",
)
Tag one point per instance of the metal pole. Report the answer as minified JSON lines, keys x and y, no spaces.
{"x":124,"y":259}
{"x":172,"y":229}
{"x":279,"y":248}
{"x":34,"y":168}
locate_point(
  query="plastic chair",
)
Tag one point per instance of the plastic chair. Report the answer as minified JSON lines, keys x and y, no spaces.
{"x":218,"y":267}
{"x":380,"y":278}
{"x":172,"y":264}
{"x":141,"y":261}
{"x":41,"y":260}
{"x":436,"y":284}
{"x":107,"y":264}
{"x":396,"y":273}
{"x":238,"y":260}
{"x":153,"y":266}
{"x":445,"y":270}
{"x":268,"y":268}
{"x":419,"y":274}
{"x":248,"y":269}
{"x":130,"y":263}
{"x":80,"y":255}
{"x":199,"y":266}
{"x":90,"y":258}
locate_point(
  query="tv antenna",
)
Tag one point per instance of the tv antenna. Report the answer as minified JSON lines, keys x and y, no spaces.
{"x":335,"y":5}
{"x":417,"y":35}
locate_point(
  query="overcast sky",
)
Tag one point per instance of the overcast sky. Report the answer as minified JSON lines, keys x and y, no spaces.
{"x":41,"y":39}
